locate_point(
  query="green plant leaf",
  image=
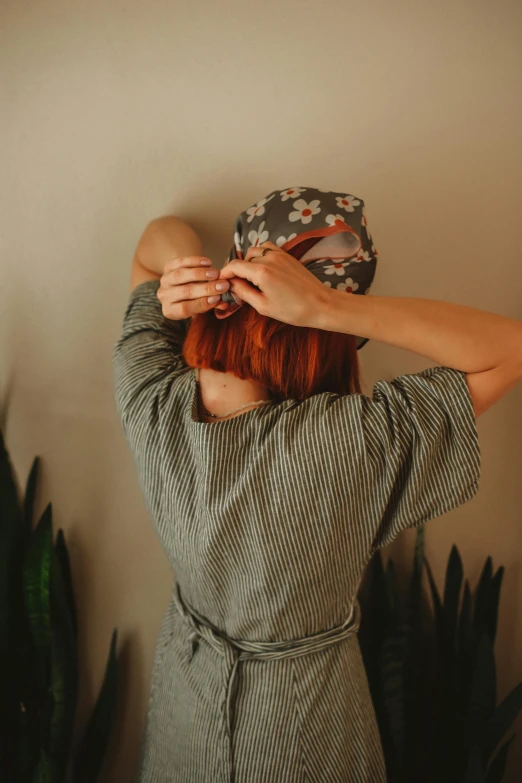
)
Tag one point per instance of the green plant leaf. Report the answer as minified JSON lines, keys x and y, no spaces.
{"x":452,"y":588}
{"x":27,"y":713}
{"x":465,"y":661}
{"x":392,"y":591}
{"x":464,"y":626}
{"x":92,"y":750}
{"x":467,"y":726}
{"x":414,"y":600}
{"x":378,"y":612}
{"x":29,"y":498}
{"x":418,"y":554}
{"x":10,"y":536}
{"x":474,"y":770}
{"x":481,"y":593}
{"x":495,"y":773}
{"x":27,"y":749}
{"x":436,"y":759}
{"x":492,"y":604}
{"x":19,"y":682}
{"x":448,"y":712}
{"x":11,"y":600}
{"x":27,"y":668}
{"x":502,"y":719}
{"x":436,"y":601}
{"x":487,"y":597}
{"x":393,"y":661}
{"x":450,"y":692}
{"x":418,"y":667}
{"x":483,"y":691}
{"x":62,"y":554}
{"x":64,"y":674}
{"x":37,"y":574}
{"x":375,"y":620}
{"x":44,"y":771}
{"x":28,"y":665}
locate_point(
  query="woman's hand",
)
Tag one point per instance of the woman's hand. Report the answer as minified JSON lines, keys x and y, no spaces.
{"x":189,"y":286}
{"x":287,"y":291}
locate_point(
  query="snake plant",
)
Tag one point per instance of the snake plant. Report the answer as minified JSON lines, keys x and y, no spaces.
{"x":432,"y":674}
{"x":39,"y":649}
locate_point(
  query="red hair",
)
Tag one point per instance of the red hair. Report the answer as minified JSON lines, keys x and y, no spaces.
{"x":292,"y":362}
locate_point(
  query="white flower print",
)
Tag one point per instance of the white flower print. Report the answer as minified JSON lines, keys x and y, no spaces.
{"x":258,"y":209}
{"x":333,"y":219}
{"x":363,"y":255}
{"x":291,"y":193}
{"x":304,"y":211}
{"x":347,"y":202}
{"x":256,"y":238}
{"x":237,"y":241}
{"x":283,"y":240}
{"x":365,"y":224}
{"x":335,"y":269}
{"x":348,"y":283}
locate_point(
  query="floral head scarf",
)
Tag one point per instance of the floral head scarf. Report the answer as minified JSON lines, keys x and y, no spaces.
{"x":324,"y":230}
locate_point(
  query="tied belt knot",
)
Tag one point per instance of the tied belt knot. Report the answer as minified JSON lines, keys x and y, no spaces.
{"x":241,"y":650}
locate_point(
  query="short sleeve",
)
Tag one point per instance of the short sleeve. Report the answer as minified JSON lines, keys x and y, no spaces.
{"x":147,"y":357}
{"x":422,"y":443}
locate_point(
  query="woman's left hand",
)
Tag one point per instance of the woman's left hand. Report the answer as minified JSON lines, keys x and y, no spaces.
{"x":188,"y":286}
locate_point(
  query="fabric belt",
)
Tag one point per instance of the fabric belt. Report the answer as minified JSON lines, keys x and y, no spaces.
{"x":240,"y":650}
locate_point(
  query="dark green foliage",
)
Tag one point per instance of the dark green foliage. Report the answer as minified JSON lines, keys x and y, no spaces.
{"x":432,"y":674}
{"x":39,"y":648}
{"x":92,"y":749}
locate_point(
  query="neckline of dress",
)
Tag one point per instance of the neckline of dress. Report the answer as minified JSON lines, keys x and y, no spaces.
{"x":193,"y":406}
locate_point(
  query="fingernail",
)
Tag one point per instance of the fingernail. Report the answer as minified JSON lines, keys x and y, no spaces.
{"x":221,"y":286}
{"x":205,"y":262}
{"x":213,"y":299}
{"x":212,"y":273}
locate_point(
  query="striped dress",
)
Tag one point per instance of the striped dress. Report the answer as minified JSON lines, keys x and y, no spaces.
{"x":268,"y":520}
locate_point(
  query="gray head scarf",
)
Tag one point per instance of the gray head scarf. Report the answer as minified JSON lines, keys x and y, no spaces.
{"x":326,"y":231}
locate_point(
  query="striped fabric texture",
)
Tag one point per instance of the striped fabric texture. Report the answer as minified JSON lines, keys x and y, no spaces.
{"x":268,"y":521}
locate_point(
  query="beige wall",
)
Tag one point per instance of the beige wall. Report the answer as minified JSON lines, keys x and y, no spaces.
{"x":115,"y":113}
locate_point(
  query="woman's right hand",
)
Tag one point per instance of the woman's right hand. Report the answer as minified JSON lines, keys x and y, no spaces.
{"x":287,"y":292}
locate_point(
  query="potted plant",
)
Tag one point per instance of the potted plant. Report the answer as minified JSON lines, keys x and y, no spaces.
{"x":432,"y":675}
{"x":38,"y":649}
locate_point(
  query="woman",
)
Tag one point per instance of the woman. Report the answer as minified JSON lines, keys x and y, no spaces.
{"x":273,"y":480}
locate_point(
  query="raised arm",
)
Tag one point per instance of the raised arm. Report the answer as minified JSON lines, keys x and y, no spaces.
{"x":163,"y":239}
{"x":484,"y":345}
